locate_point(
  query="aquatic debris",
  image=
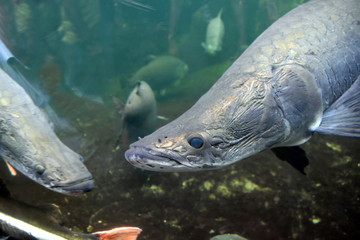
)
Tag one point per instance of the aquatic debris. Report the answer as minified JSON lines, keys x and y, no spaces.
{"x":333,"y":146}
{"x":208,"y":185}
{"x":23,"y":16}
{"x":188,"y":182}
{"x":156,"y":189}
{"x":90,"y":12}
{"x":161,"y":72}
{"x":67,"y":29}
{"x":341,"y":161}
{"x":315,"y":220}
{"x":247,"y":185}
{"x":214,"y":35}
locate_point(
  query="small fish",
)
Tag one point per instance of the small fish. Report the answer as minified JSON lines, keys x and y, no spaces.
{"x":26,"y":222}
{"x":214,"y":35}
{"x":299,"y":77}
{"x":139,"y":112}
{"x":29,"y":144}
{"x":161,"y":72}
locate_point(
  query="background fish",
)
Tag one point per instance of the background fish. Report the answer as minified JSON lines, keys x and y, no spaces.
{"x":139,"y":113}
{"x":161,"y":72}
{"x":214,"y":35}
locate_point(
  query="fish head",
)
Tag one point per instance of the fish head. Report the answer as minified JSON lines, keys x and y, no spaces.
{"x":41,"y":156}
{"x":217,"y":131}
{"x":140,"y":102}
{"x":168,"y":151}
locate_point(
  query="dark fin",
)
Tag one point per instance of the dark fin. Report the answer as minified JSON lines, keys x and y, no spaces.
{"x":295,"y":156}
{"x":343,"y":116}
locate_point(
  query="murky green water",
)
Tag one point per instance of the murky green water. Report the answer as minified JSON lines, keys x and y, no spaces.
{"x":83,"y":53}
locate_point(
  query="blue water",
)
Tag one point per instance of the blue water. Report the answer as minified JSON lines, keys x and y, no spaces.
{"x":83,"y":53}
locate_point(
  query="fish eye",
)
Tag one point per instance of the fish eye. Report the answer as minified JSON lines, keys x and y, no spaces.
{"x":196,"y":142}
{"x":39,"y":169}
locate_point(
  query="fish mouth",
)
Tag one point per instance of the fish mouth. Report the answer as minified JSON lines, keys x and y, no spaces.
{"x":74,"y":188}
{"x":152,"y":160}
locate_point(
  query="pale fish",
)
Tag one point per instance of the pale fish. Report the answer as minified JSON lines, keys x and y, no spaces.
{"x":214,"y":35}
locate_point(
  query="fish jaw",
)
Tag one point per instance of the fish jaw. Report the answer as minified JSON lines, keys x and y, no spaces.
{"x":75,"y":188}
{"x":167,"y":151}
{"x":151,"y":160}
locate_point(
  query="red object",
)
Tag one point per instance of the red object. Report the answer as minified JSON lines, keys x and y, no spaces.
{"x":121,"y":233}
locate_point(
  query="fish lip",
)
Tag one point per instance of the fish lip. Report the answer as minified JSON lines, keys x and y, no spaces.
{"x":150,"y":159}
{"x":74,"y":188}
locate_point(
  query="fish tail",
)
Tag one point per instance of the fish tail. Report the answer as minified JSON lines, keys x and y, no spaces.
{"x":121,"y":233}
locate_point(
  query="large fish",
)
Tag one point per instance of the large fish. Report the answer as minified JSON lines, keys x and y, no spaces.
{"x":302,"y":75}
{"x":29,"y":144}
{"x":214,"y":35}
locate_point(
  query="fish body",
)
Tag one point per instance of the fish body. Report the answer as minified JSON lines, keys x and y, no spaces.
{"x":228,"y":237}
{"x":30,"y":145}
{"x":214,"y":35}
{"x":26,"y":222}
{"x":300,"y":76}
{"x":140,"y":111}
{"x":161,"y":72}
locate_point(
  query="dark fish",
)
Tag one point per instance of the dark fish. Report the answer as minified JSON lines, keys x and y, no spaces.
{"x":25,"y":222}
{"x":301,"y":76}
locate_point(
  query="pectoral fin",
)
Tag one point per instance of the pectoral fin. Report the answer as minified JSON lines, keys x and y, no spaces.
{"x":295,"y":156}
{"x":11,"y":169}
{"x":343,"y":116}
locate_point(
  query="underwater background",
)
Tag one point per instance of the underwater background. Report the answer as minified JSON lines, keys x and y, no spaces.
{"x":82,"y":54}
